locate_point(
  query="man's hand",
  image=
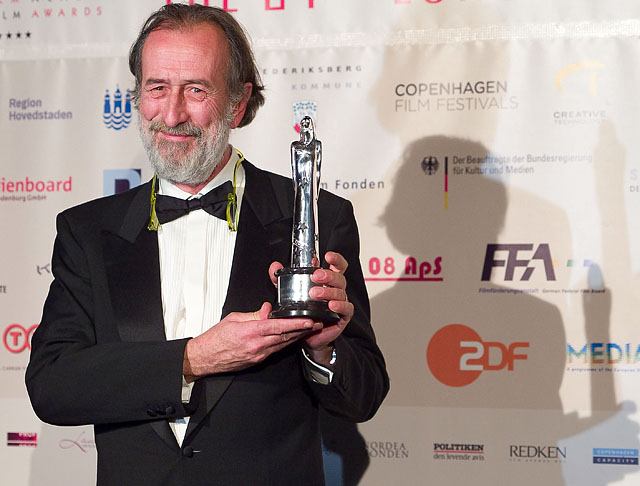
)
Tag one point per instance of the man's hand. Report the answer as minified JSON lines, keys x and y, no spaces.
{"x":241,"y":340}
{"x":332,"y":288}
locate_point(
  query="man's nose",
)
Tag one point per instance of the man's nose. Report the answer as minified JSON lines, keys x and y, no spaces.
{"x":175,"y":110}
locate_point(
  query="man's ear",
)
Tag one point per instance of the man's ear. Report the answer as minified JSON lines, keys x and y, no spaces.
{"x":241,"y":106}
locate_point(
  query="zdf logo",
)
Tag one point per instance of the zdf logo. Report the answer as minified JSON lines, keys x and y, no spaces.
{"x":456,"y":355}
{"x":16,"y":338}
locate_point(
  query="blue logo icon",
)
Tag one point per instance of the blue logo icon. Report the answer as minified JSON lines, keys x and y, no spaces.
{"x":114,"y":116}
{"x":120,"y":180}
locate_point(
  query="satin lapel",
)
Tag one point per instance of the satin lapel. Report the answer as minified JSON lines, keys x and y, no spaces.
{"x":133,"y":272}
{"x":264,"y":236}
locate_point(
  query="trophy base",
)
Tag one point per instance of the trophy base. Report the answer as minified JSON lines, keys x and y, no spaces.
{"x":316,"y":310}
{"x":293,"y":297}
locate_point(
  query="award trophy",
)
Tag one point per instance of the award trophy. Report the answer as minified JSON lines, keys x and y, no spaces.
{"x":295,"y":282}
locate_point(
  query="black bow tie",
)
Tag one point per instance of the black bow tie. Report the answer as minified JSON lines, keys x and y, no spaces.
{"x":214,"y":202}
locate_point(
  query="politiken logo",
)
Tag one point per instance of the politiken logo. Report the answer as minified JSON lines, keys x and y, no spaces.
{"x":458,"y":452}
{"x":512,"y":256}
{"x":17,"y":338}
{"x":624,"y":457}
{"x":22,"y":439}
{"x":302,"y":109}
{"x":117,"y":112}
{"x":457,"y":355}
{"x":116,"y":181}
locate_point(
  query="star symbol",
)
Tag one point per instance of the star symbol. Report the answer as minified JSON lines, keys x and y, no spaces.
{"x":8,"y":35}
{"x":28,"y":34}
{"x":19,"y":35}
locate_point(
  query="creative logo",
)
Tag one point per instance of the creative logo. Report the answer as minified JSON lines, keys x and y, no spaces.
{"x":542,"y":253}
{"x":116,"y":181}
{"x":458,"y":452}
{"x":17,"y":338}
{"x":22,"y":439}
{"x":81,"y":442}
{"x":588,"y":68}
{"x":457,"y":355}
{"x":625,"y":457}
{"x":387,"y":450}
{"x":302,"y":109}
{"x":384,"y":270}
{"x":535,"y":453}
{"x":114,"y":115}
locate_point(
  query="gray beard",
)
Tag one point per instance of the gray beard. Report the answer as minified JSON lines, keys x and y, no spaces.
{"x":169,"y":160}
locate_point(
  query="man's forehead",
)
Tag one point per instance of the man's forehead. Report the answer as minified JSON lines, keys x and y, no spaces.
{"x":205,"y":37}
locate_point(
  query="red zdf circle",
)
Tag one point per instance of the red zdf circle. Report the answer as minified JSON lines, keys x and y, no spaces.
{"x":445,"y":353}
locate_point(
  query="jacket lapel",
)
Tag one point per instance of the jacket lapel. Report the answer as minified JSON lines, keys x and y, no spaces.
{"x":133,"y":272}
{"x":264,"y":235}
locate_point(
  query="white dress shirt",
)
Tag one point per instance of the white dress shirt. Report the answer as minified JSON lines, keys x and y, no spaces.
{"x":196,"y":253}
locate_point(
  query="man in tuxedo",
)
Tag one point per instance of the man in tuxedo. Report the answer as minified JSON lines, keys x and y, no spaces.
{"x":130,"y":339}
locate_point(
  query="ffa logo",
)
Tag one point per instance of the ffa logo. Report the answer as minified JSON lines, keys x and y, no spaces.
{"x":115,"y":115}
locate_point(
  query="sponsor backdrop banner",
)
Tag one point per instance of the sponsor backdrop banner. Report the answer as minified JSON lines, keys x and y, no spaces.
{"x":491,"y":151}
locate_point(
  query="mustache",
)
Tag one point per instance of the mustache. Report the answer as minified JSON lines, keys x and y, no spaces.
{"x":185,"y":128}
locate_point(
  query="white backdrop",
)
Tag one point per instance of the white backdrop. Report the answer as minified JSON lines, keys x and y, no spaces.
{"x":491,"y":150}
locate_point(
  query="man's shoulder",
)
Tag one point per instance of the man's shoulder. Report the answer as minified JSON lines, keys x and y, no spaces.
{"x":282,"y":183}
{"x":102,"y":208}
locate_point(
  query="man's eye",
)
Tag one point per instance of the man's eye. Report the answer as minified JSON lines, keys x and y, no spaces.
{"x":196,"y":93}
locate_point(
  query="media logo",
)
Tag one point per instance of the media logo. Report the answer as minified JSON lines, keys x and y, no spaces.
{"x":604,"y":353}
{"x":302,"y":109}
{"x":457,"y":355}
{"x":17,"y":338}
{"x":542,"y":253}
{"x":22,"y":439}
{"x":116,"y":181}
{"x":115,"y":115}
{"x":625,"y":457}
{"x":536,"y":453}
{"x":458,"y":452}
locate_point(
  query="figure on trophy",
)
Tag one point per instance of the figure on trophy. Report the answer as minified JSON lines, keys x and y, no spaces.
{"x":295,"y":282}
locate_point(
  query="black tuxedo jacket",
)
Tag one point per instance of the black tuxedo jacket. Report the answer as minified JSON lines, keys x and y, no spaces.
{"x":100,"y":355}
